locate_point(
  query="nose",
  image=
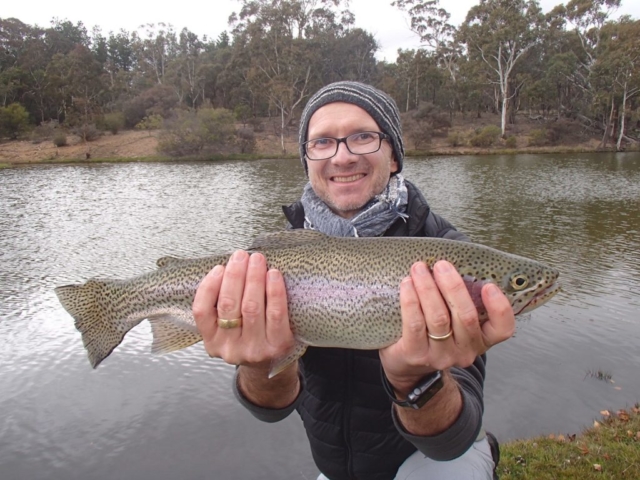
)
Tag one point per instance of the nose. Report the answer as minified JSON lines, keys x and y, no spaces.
{"x":343,"y":156}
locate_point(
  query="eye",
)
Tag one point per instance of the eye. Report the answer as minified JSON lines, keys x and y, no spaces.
{"x":362,"y":137}
{"x":320,"y":143}
{"x":519,"y":281}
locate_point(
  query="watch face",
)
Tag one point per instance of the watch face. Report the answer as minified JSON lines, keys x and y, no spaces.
{"x":425,"y":390}
{"x":421,"y":393}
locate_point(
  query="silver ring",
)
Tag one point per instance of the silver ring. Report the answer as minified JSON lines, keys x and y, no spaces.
{"x":441,"y":338}
{"x":232,"y":323}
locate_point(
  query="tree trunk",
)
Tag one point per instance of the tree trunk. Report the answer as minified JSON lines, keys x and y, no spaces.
{"x":623,"y":110}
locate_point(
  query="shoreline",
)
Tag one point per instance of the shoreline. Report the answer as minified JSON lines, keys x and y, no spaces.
{"x":461,"y":151}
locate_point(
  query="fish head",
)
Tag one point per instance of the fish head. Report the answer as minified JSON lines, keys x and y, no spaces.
{"x":529,"y":285}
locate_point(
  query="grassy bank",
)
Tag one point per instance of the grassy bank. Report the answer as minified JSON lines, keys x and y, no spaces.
{"x":610,"y":449}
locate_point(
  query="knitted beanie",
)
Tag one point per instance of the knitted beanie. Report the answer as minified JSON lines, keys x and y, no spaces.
{"x":379,"y":105}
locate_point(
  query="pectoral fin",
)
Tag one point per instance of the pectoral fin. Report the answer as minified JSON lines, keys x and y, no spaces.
{"x":173,"y":331}
{"x":282,"y":363}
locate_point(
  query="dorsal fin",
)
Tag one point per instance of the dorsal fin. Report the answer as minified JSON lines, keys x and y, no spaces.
{"x":287,"y":238}
{"x":169,"y":260}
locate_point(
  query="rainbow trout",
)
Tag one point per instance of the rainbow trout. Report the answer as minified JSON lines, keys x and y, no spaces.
{"x":341,"y":292}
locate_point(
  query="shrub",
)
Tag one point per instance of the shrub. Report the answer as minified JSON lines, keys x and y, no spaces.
{"x":455,"y":139}
{"x":152,"y":122}
{"x":242,"y":113}
{"x":246,"y":140}
{"x":113,"y":122}
{"x":87,"y":132}
{"x":209,"y":130}
{"x":14,"y":120}
{"x":60,"y":139}
{"x":423,"y":124}
{"x":511,"y":142}
{"x":44,"y":131}
{"x":486,"y":137}
{"x":537,"y":137}
{"x":157,"y":100}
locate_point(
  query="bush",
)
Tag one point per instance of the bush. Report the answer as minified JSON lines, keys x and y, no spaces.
{"x":423,"y":124}
{"x":242,"y":113}
{"x":87,"y":132}
{"x":486,"y":137}
{"x":209,"y":130}
{"x":14,"y":120}
{"x":537,"y":137}
{"x":246,"y":140}
{"x":60,"y":139}
{"x":157,"y":100}
{"x":113,"y":122}
{"x":44,"y":131}
{"x":511,"y":142}
{"x":455,"y":139}
{"x":152,"y":122}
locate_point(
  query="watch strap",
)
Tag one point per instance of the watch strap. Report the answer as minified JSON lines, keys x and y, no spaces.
{"x":420,"y":394}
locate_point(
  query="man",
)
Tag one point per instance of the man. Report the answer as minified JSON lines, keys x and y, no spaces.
{"x":411,"y":410}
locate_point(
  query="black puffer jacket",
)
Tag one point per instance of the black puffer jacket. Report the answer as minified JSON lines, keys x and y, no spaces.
{"x":346,"y":413}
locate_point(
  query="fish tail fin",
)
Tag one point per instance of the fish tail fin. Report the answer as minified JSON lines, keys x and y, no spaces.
{"x":280,"y":364}
{"x":96,"y":317}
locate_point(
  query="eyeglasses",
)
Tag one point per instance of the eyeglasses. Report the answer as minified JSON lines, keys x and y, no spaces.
{"x":358,"y":144}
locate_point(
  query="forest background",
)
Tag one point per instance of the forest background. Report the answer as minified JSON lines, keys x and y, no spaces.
{"x":509,"y":76}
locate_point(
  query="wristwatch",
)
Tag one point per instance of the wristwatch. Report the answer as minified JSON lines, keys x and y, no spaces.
{"x":423,"y":391}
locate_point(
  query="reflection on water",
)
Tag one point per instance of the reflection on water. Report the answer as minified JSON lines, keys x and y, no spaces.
{"x":140,"y":416}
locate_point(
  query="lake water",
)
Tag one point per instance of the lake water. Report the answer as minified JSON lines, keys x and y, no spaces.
{"x":148,"y":417}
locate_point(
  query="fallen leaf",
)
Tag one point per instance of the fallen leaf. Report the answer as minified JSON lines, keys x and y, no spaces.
{"x":552,"y":436}
{"x":584,"y":450}
{"x":638,"y":436}
{"x":597,"y":467}
{"x":606,"y":456}
{"x":636,"y":409}
{"x":617,"y":388}
{"x":561,"y":438}
{"x":596,"y":424}
{"x":623,"y":415}
{"x":571,"y":438}
{"x":605,"y":413}
{"x":629,"y":433}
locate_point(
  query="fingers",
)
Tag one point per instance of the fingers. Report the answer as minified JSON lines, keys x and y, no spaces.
{"x":204,"y":310}
{"x":502,"y":323}
{"x":231,"y":291}
{"x":464,"y":314}
{"x":278,"y":330}
{"x":253,"y":299}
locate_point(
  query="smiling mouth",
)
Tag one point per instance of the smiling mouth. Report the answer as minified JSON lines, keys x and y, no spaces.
{"x":351,"y":178}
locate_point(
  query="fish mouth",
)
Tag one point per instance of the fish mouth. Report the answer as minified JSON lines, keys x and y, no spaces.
{"x":540,"y":298}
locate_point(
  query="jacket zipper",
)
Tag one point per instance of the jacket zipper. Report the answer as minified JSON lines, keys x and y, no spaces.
{"x":346,"y":425}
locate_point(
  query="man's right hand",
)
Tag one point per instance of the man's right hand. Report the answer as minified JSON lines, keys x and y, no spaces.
{"x":244,"y":289}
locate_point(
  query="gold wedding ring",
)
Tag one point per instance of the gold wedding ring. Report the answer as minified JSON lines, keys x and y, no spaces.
{"x":441,"y":338}
{"x":232,"y":323}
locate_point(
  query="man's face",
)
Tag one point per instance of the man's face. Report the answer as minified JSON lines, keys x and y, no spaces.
{"x":346,"y":182}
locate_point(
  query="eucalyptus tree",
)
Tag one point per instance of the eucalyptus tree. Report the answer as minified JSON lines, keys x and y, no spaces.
{"x":154,"y":52}
{"x":618,"y":68}
{"x":499,"y":33}
{"x":273,"y":37}
{"x":432,"y":23}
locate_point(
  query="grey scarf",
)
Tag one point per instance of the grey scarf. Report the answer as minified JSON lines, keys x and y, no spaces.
{"x":374,"y":219}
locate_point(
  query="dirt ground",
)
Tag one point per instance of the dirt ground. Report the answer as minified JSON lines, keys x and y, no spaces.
{"x":126,"y":144}
{"x":139,"y":144}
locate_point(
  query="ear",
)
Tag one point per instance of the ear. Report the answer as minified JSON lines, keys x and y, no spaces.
{"x":394,"y":164}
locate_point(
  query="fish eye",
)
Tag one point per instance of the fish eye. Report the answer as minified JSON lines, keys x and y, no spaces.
{"x":519,"y":281}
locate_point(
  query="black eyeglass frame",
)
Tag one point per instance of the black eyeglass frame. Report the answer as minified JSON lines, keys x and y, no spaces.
{"x":381,"y":136}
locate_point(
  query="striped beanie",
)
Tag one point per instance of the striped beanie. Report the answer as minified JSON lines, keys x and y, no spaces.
{"x":379,"y":105}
